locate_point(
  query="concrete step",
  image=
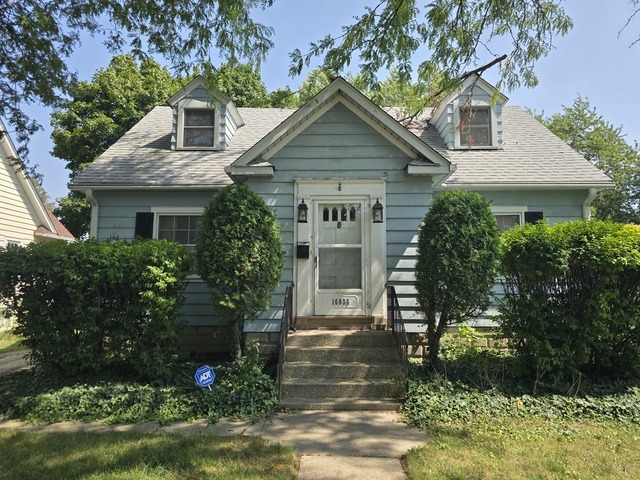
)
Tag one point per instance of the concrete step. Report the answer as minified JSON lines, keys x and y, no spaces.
{"x":337,"y":338}
{"x":335,"y":388}
{"x":380,"y":370}
{"x":340,"y":354}
{"x":333,"y":322}
{"x":348,"y":403}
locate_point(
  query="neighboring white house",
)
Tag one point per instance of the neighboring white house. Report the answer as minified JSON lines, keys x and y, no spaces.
{"x":23,"y":216}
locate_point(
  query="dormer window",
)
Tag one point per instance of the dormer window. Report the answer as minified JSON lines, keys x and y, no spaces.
{"x":475,"y":127}
{"x":199,"y":128}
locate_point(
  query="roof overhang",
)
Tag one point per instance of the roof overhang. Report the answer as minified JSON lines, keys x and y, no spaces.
{"x":525,"y":186}
{"x":200,"y":186}
{"x":252,"y":162}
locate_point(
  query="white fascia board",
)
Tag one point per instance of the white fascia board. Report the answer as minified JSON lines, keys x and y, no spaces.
{"x":184,"y":91}
{"x":54,"y":237}
{"x":250,"y":170}
{"x":422,"y":170}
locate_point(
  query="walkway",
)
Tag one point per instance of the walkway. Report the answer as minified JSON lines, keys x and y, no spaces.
{"x":350,"y":445}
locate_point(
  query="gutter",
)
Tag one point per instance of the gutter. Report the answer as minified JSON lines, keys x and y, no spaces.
{"x":586,"y":211}
{"x":95,"y":211}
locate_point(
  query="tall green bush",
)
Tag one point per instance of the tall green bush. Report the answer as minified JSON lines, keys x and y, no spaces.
{"x":457,"y":256}
{"x":89,"y":306}
{"x":239,"y":254}
{"x":572,"y":297}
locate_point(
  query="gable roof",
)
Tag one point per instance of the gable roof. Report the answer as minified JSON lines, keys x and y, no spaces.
{"x":531,"y":156}
{"x":339,"y":90}
{"x":46,"y":223}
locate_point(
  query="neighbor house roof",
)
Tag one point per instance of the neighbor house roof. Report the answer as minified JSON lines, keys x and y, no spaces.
{"x":531,"y":155}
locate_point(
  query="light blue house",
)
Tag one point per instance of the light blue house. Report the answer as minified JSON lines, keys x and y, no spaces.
{"x":338,"y":159}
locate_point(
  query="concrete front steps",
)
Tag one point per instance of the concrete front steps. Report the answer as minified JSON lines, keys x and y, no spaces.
{"x":341,"y":370}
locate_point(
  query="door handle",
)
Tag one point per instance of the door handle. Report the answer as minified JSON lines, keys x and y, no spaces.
{"x":315,"y":262}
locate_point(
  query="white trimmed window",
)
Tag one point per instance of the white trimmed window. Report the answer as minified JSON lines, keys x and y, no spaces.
{"x":198,"y":126}
{"x":182,"y":229}
{"x":12,"y":242}
{"x":475,"y":127}
{"x":509,"y":217}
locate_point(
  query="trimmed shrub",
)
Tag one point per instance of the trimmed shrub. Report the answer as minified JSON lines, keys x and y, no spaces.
{"x":240,"y":256}
{"x":572,"y":297}
{"x":457,"y":258}
{"x":90,"y":306}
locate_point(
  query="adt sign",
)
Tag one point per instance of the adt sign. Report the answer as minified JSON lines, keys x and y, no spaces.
{"x":205,"y":376}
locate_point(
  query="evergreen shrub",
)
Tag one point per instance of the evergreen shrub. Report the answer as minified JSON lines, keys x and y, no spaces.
{"x":89,"y":306}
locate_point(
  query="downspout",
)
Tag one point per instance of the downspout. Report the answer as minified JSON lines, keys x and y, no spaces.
{"x":586,"y":210}
{"x":95,"y":210}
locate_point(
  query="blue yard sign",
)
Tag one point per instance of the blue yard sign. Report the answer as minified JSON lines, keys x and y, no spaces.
{"x":205,"y":376}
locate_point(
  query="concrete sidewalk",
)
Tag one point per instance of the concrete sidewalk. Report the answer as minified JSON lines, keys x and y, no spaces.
{"x":333,"y":445}
{"x":13,"y":362}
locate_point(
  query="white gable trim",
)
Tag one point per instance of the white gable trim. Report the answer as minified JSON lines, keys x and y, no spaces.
{"x":34,"y":204}
{"x":339,"y":91}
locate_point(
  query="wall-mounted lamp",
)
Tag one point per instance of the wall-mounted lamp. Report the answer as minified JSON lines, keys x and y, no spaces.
{"x":303,"y":210}
{"x":377,"y":209}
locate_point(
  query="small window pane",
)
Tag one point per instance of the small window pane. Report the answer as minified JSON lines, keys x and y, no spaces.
{"x":475,"y":127}
{"x":343,"y":214}
{"x":179,"y":228}
{"x":199,"y":118}
{"x":334,"y":214}
{"x":506,"y":222}
{"x":198,"y":137}
{"x":325,"y":214}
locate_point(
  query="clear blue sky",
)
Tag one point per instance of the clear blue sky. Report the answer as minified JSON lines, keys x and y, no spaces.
{"x":591,"y":60}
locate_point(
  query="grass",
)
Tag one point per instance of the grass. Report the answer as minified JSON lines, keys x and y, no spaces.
{"x":141,"y":456}
{"x":9,"y":342}
{"x":527,"y":450}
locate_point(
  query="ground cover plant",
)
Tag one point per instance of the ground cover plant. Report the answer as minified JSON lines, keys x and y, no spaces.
{"x":241,"y":391}
{"x":485,"y":420}
{"x":141,"y":456}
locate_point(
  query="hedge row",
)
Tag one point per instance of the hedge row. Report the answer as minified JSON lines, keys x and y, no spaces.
{"x":572,"y":297}
{"x":88,"y":306}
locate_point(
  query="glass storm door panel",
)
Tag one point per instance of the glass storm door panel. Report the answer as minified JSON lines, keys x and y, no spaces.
{"x":339,"y":259}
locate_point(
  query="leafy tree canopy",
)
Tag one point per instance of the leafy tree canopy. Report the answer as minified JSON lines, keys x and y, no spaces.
{"x":459,"y":35}
{"x":604,"y":145}
{"x":37,"y":36}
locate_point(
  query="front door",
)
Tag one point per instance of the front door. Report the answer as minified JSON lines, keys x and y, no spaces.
{"x":339,"y":258}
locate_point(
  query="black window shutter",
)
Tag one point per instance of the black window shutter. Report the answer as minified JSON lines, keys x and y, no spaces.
{"x":533,"y":217}
{"x":144,"y":224}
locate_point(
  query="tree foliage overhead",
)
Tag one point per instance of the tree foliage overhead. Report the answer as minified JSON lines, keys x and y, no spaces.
{"x":604,"y":145}
{"x":457,"y":259}
{"x":459,"y":36}
{"x":100,"y":111}
{"x":38,"y":36}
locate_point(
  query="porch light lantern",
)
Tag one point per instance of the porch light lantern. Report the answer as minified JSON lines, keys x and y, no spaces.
{"x":377,"y":209}
{"x":302,"y":212}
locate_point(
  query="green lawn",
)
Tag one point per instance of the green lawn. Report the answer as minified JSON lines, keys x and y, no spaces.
{"x":141,"y":456}
{"x":9,"y":342}
{"x":519,"y":449}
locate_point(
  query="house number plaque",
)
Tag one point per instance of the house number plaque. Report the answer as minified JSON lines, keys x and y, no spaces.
{"x":340,"y":302}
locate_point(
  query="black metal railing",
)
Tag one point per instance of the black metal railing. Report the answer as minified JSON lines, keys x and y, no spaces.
{"x":395,"y":323}
{"x":286,"y":326}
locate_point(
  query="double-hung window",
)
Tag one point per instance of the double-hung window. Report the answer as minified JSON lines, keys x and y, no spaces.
{"x":199,"y":127}
{"x":475,"y":127}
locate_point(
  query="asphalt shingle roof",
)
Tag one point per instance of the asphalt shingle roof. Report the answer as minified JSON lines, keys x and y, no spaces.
{"x":531,"y":154}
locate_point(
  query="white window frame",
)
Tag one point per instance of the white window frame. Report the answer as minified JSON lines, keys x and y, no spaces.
{"x":194,"y":104}
{"x":510,"y":210}
{"x":12,"y":241}
{"x":456,"y":122}
{"x":185,"y":211}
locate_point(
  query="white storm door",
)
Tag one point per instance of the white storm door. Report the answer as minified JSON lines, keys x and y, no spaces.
{"x":339,"y":258}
